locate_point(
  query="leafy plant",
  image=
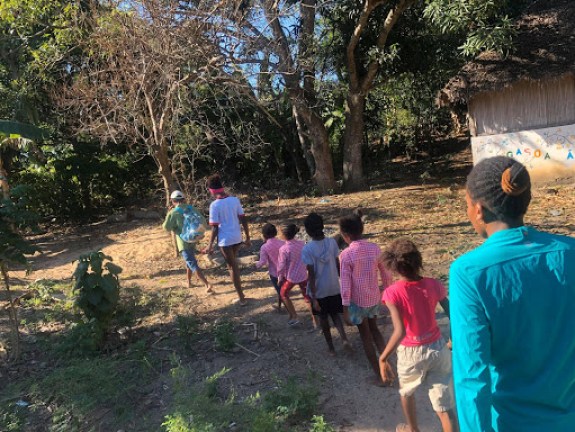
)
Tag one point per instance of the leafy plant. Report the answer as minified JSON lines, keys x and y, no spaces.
{"x":224,"y":336}
{"x":98,"y":287}
{"x":318,"y":424}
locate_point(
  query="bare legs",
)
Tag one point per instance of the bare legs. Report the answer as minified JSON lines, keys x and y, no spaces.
{"x":408,"y":406}
{"x":338,"y":323}
{"x":447,"y":418}
{"x":230,"y":255}
{"x":371,"y":339}
{"x":290,"y":307}
{"x":448,"y":421}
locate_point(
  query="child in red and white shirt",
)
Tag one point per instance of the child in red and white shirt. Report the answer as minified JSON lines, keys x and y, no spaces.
{"x":292,"y":271}
{"x":423,"y":358}
{"x":360,"y":266}
{"x":269,"y":255}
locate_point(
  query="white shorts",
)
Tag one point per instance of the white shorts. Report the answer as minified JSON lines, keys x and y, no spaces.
{"x":430,"y":366}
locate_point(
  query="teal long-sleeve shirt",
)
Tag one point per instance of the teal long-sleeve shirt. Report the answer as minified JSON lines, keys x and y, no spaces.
{"x":513,"y":330}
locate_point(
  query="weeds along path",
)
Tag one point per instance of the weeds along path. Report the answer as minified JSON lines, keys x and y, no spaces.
{"x":176,"y":328}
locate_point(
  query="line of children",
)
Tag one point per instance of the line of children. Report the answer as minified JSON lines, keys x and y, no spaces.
{"x":423,"y":356}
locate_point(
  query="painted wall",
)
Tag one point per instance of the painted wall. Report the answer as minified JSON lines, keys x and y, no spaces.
{"x":548,"y":153}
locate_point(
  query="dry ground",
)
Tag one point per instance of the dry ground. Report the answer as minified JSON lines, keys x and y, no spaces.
{"x":432,"y":214}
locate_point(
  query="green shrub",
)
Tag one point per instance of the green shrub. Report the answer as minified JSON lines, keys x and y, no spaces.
{"x":98,"y":287}
{"x":224,"y":335}
{"x":318,"y":424}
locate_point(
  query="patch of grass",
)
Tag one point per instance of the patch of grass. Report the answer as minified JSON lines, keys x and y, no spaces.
{"x":188,"y":330}
{"x":291,"y":401}
{"x":74,"y":391}
{"x":12,"y":418}
{"x":82,"y":339}
{"x":201,"y":408}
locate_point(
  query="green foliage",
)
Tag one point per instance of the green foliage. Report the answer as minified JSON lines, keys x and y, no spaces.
{"x":224,"y":336}
{"x":15,"y":218}
{"x":13,"y":129}
{"x":80,"y":182}
{"x":485,"y":24}
{"x":12,"y":419}
{"x":97,"y":286}
{"x":318,"y":424}
{"x":83,"y":339}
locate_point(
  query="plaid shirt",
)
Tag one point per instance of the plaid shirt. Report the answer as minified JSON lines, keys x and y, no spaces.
{"x":290,"y":265}
{"x":269,"y":255}
{"x":359,"y":265}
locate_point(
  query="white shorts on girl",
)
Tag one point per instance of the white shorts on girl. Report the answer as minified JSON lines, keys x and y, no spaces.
{"x":428,"y":366}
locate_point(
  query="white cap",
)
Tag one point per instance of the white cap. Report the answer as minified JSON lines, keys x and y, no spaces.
{"x":177,"y":195}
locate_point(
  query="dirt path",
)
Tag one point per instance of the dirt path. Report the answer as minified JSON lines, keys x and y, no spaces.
{"x":432,"y":215}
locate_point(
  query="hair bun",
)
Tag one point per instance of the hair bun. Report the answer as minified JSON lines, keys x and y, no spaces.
{"x":515,"y":184}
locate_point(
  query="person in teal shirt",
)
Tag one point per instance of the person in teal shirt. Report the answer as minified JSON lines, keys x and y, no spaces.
{"x":512,"y":312}
{"x":174,"y":223}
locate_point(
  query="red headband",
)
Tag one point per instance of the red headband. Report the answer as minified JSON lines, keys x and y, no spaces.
{"x":216,"y":191}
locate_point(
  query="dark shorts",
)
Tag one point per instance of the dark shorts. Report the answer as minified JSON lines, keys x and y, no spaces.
{"x":329,"y":306}
{"x":190,"y":259}
{"x":275,"y":283}
{"x":287,"y":287}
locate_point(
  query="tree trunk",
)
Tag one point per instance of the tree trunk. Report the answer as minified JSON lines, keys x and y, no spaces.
{"x":12,"y":314}
{"x":160,"y":154}
{"x":353,"y":141}
{"x":323,"y":174}
{"x":301,"y":133}
{"x":4,"y":181}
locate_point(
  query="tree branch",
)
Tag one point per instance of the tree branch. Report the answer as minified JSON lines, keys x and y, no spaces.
{"x":390,"y":21}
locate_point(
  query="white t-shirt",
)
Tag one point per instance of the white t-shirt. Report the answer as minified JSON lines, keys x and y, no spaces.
{"x":225,"y":213}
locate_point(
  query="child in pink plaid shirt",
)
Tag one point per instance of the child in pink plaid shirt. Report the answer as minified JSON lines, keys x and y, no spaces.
{"x":292,"y":271}
{"x":269,"y":255}
{"x":360,"y":294}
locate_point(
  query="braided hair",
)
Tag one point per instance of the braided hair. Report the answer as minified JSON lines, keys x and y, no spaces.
{"x":403,"y":257}
{"x":502,"y":186}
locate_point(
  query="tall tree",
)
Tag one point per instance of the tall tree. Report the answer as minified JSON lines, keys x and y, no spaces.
{"x":367,"y":28}
{"x":253,"y":32}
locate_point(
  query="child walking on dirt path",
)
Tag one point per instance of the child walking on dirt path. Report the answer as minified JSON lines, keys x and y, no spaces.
{"x":269,"y":255}
{"x":360,"y":293}
{"x":174,"y":223}
{"x":227,"y":219}
{"x":292,"y":271}
{"x":423,"y":358}
{"x":321,"y":258}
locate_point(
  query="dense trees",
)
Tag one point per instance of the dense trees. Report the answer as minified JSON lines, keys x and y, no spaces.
{"x":259,"y":89}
